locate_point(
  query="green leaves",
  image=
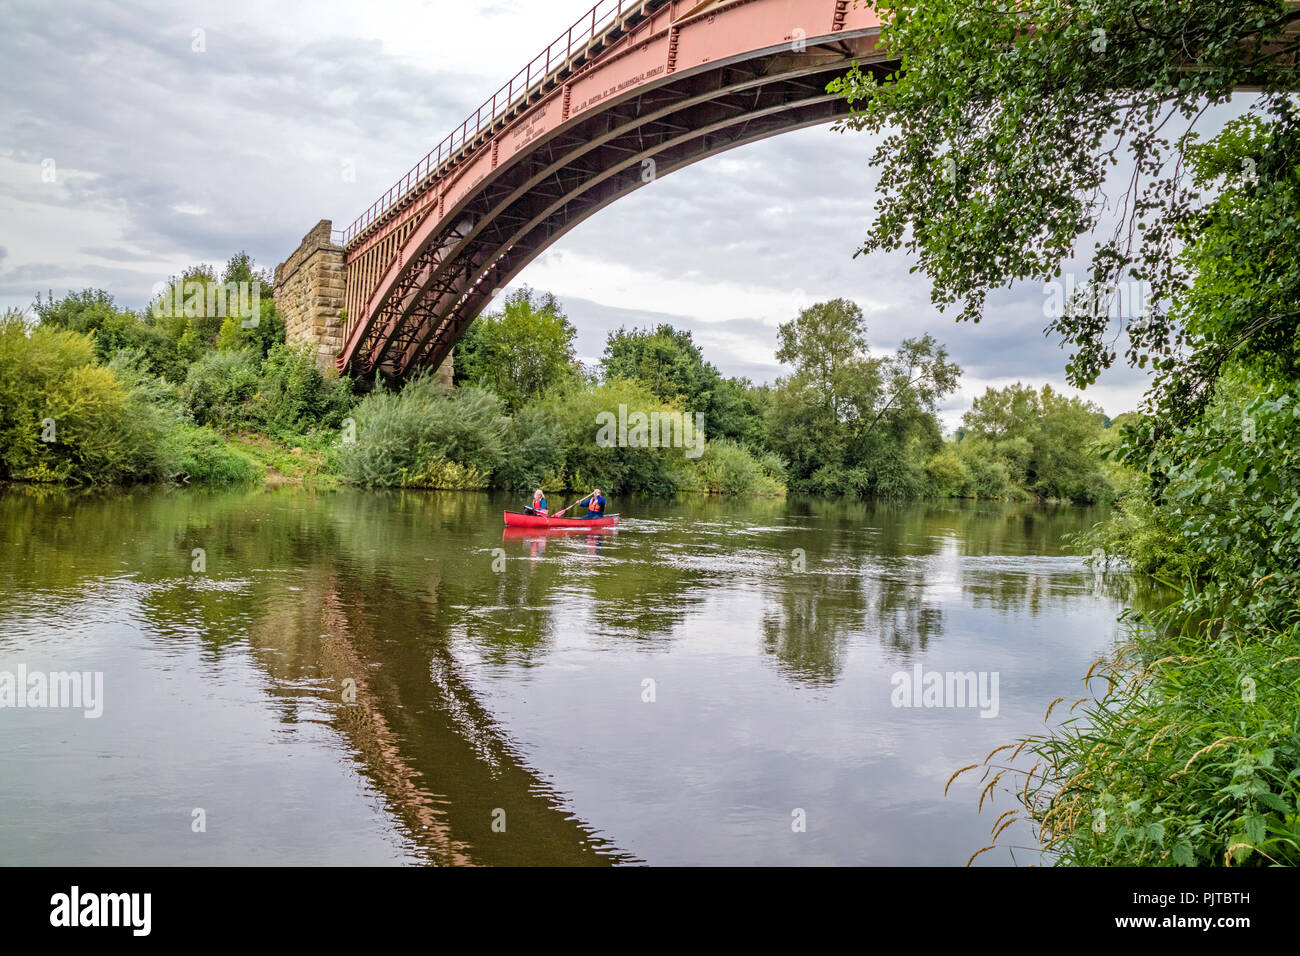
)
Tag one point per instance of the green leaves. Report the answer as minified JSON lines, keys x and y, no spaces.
{"x":1182,"y":765}
{"x":520,"y":352}
{"x":850,"y":422}
{"x":1232,"y":485}
{"x":1033,"y":102}
{"x":668,"y":362}
{"x":1047,"y":441}
{"x":413,"y":437}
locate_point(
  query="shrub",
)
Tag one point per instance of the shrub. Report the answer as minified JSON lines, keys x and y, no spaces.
{"x":947,"y":473}
{"x":620,"y":470}
{"x":407,"y":438}
{"x":771,"y":464}
{"x":891,"y":473}
{"x":450,"y":476}
{"x":1225,"y":513}
{"x":65,"y":418}
{"x":728,"y":468}
{"x":1140,"y":535}
{"x":989,"y":477}
{"x":220,"y":387}
{"x":293,"y":394}
{"x":534,"y":457}
{"x":1235,"y":494}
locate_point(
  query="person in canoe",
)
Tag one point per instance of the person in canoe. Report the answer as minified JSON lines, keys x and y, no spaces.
{"x":595,"y":505}
{"x":538,"y":507}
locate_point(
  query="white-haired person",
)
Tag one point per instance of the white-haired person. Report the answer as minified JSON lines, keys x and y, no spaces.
{"x":538,"y":507}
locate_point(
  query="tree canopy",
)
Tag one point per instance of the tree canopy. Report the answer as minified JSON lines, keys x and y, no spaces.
{"x":668,"y":362}
{"x":1004,"y":121}
{"x":519,"y":352}
{"x":847,"y":420}
{"x":1044,"y":439}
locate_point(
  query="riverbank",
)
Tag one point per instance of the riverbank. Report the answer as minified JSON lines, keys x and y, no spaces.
{"x":102,"y":395}
{"x":1187,"y":750}
{"x":1185,"y":756}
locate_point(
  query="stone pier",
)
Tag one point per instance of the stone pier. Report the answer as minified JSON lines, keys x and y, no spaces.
{"x":310,"y":289}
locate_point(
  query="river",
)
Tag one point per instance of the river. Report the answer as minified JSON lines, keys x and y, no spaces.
{"x":357,"y":678}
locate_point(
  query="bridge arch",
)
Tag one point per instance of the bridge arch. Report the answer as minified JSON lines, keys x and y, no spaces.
{"x":655,"y":86}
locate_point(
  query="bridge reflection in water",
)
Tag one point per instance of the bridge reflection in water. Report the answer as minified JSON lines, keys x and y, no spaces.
{"x":446,"y":770}
{"x":329,"y":603}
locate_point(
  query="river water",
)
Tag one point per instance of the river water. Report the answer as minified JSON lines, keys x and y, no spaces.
{"x":358,"y":678}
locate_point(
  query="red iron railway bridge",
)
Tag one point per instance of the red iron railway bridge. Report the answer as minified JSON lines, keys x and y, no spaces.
{"x":634,"y":90}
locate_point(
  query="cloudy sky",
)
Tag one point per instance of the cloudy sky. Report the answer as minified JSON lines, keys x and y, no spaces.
{"x":139,"y":138}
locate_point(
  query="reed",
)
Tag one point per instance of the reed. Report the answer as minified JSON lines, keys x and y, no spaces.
{"x":1185,"y":753}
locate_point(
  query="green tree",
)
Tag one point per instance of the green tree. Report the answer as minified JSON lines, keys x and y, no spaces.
{"x":87,"y":311}
{"x":520,"y":352}
{"x":915,"y":379}
{"x":200,"y":312}
{"x":93,"y":312}
{"x":195,"y":314}
{"x":669,"y":363}
{"x":239,"y":332}
{"x":999,"y":130}
{"x":615,"y":468}
{"x":849,"y":422}
{"x":827,"y":345}
{"x":1048,"y":442}
{"x":664,"y":359}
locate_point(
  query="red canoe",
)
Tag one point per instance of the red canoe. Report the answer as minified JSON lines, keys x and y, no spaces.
{"x":516,"y":520}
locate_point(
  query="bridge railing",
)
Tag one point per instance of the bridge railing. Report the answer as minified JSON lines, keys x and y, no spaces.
{"x":552,"y":59}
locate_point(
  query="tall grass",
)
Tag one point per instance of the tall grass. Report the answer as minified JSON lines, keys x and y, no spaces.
{"x":1186,"y":752}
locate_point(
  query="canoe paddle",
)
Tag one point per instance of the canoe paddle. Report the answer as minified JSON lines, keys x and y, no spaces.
{"x":574,"y":505}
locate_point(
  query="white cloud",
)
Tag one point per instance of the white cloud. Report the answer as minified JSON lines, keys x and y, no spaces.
{"x":706,"y":299}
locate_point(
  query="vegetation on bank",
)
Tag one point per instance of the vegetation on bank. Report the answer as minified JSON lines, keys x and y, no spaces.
{"x":1184,"y":753}
{"x":178,"y":395}
{"x":64,"y":417}
{"x":993,"y":165}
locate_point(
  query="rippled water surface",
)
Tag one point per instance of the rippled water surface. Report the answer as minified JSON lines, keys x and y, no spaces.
{"x":368,"y":678}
